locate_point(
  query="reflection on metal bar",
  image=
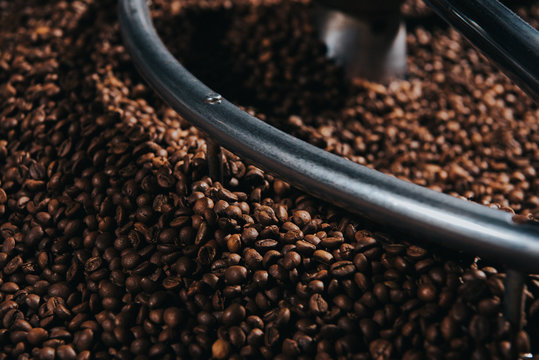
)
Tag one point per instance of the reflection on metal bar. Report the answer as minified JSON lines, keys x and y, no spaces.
{"x":506,"y":39}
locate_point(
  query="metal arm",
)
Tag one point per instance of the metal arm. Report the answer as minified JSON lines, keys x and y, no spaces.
{"x":435,"y":217}
{"x":506,"y":39}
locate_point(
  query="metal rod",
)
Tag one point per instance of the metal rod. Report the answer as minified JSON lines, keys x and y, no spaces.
{"x":514,"y":303}
{"x":435,"y":217}
{"x":514,"y":298}
{"x":506,"y":39}
{"x":371,"y":47}
{"x":215,"y":163}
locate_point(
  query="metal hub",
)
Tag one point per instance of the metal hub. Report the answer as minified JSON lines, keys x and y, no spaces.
{"x":368,"y":40}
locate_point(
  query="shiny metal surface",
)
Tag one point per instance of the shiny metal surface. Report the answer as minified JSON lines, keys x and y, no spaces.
{"x":373,"y":48}
{"x":506,"y":39}
{"x":396,"y":204}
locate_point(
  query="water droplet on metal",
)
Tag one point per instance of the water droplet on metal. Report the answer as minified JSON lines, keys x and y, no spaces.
{"x":213,"y":99}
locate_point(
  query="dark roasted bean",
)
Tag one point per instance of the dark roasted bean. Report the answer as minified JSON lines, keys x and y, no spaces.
{"x":37,"y":335}
{"x":342,"y":268}
{"x":236,"y":275}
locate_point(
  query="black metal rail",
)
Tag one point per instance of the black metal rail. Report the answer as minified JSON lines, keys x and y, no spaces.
{"x":506,"y":39}
{"x":435,"y":217}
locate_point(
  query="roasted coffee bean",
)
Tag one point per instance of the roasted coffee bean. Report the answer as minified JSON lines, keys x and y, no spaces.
{"x":236,"y":275}
{"x":233,"y":314}
{"x":342,"y":268}
{"x":448,"y":328}
{"x":37,"y":335}
{"x":260,"y":278}
{"x":253,"y":259}
{"x":139,"y":346}
{"x":266,"y":244}
{"x":368,"y":328}
{"x":426,"y":292}
{"x":83,"y":340}
{"x":237,"y":336}
{"x":66,"y":352}
{"x":47,"y":353}
{"x":255,"y":337}
{"x":479,"y":328}
{"x":332,"y":242}
{"x":13,"y":265}
{"x":323,"y":256}
{"x":317,"y":304}
{"x":291,"y":260}
{"x":220,"y":349}
{"x":301,"y":218}
{"x":172,"y":316}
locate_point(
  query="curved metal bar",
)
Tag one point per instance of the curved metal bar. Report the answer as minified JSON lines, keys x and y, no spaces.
{"x":436,"y":217}
{"x":506,"y":39}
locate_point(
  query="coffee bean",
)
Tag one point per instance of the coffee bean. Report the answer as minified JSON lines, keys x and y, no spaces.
{"x":236,"y":275}
{"x":448,"y":328}
{"x":479,"y":328}
{"x":237,"y":336}
{"x":32,"y":301}
{"x":323,"y":256}
{"x":206,"y":254}
{"x":255,"y":337}
{"x":301,"y":218}
{"x":380,"y":349}
{"x":342,"y":268}
{"x":304,"y":247}
{"x":522,"y":342}
{"x":139,"y":346}
{"x":172,"y":316}
{"x":233,"y":314}
{"x":364,"y":242}
{"x":253,"y":259}
{"x":272,"y":336}
{"x":13,"y":265}
{"x":317,"y":304}
{"x":220,"y":349}
{"x":60,"y":289}
{"x":260,"y":278}
{"x":47,"y":353}
{"x":37,"y":335}
{"x":234,"y":243}
{"x":427,"y":292}
{"x":332,"y":242}
{"x":66,"y":352}
{"x":381,"y":292}
{"x":108,"y":289}
{"x":3,"y":196}
{"x":9,"y":287}
{"x":266,"y":244}
{"x":130,"y":260}
{"x":83,"y":340}
{"x":291,"y":260}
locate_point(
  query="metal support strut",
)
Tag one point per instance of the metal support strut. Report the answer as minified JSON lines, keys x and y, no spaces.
{"x":514,"y":302}
{"x":215,"y":163}
{"x":367,"y":38}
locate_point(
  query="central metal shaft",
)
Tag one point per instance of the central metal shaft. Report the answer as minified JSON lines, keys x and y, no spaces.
{"x":368,"y":38}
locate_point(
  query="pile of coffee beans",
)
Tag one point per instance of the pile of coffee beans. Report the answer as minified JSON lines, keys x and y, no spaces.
{"x":115,"y":242}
